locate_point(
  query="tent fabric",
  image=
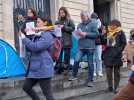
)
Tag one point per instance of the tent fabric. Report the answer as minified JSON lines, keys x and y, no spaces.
{"x":10,"y":63}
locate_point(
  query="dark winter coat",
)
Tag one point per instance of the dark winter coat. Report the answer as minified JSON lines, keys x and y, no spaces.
{"x":113,"y":54}
{"x":67,"y":30}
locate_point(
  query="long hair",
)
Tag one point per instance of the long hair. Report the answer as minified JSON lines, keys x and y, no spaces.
{"x":67,"y":15}
{"x":33,"y":11}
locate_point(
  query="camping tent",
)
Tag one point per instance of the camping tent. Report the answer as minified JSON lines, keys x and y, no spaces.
{"x":10,"y":63}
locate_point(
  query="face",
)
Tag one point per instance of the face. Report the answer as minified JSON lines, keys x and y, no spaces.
{"x":112,"y":27}
{"x":40,"y":23}
{"x":62,"y":13}
{"x":84,"y":18}
{"x":104,"y":31}
{"x":30,"y":13}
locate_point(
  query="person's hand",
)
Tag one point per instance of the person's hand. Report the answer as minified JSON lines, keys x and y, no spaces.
{"x":22,"y":36}
{"x":81,"y":34}
{"x":132,"y":67}
{"x":61,"y":26}
{"x":36,"y":29}
{"x":25,"y":30}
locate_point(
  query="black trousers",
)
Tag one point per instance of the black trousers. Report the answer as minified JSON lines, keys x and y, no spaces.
{"x":45,"y":85}
{"x":113,"y":76}
{"x":65,"y":53}
{"x":64,"y":60}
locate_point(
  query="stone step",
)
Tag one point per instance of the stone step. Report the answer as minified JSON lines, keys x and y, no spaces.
{"x":62,"y":88}
{"x":67,"y":94}
{"x":59,"y":82}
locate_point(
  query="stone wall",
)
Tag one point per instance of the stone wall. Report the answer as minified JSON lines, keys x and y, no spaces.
{"x":1,"y":26}
{"x":127,"y":15}
{"x":6,"y":21}
{"x":76,"y":6}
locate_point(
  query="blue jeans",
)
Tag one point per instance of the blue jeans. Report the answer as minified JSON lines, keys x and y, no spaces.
{"x":80,"y":55}
{"x":97,"y":59}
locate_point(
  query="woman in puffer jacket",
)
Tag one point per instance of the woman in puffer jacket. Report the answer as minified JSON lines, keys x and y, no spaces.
{"x":41,"y":68}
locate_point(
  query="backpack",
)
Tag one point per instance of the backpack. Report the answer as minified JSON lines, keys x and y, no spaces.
{"x":56,"y":47}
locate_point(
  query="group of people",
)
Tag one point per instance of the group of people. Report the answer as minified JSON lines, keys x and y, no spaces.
{"x":91,"y":34}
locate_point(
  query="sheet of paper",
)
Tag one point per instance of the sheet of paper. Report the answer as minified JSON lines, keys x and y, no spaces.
{"x":58,"y":31}
{"x":29,"y":28}
{"x":76,"y":35}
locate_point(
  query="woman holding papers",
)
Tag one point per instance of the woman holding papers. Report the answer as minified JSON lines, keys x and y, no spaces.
{"x":67,"y":27}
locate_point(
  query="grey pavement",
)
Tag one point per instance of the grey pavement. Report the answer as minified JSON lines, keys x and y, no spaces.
{"x":100,"y":96}
{"x":76,"y":93}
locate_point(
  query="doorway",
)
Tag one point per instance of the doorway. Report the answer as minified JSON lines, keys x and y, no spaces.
{"x":102,"y":8}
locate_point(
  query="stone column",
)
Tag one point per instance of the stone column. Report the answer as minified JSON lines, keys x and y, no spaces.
{"x":91,"y":5}
{"x":1,"y":21}
{"x":7,"y":18}
{"x":54,"y":7}
{"x":115,"y":9}
{"x":118,"y":4}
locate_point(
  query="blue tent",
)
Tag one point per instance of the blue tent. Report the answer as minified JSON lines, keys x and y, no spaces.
{"x":10,"y":62}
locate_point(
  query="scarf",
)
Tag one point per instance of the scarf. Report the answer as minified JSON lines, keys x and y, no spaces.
{"x":112,"y":33}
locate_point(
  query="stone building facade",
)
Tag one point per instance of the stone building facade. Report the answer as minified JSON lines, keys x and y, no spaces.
{"x":107,"y":9}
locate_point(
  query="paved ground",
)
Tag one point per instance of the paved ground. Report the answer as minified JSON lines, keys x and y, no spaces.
{"x":96,"y":93}
{"x":100,"y":96}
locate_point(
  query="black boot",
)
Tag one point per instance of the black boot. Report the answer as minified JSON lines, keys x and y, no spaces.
{"x":110,"y":89}
{"x":59,"y":68}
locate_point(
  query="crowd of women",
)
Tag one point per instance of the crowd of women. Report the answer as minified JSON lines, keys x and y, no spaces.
{"x":90,"y":39}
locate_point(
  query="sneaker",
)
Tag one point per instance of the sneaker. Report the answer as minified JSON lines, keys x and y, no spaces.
{"x":90,"y":84}
{"x":95,"y":74}
{"x":110,"y":89}
{"x":73,"y":78}
{"x":100,"y":74}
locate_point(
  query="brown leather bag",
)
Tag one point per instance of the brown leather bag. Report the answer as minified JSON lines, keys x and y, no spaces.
{"x":126,"y":93}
